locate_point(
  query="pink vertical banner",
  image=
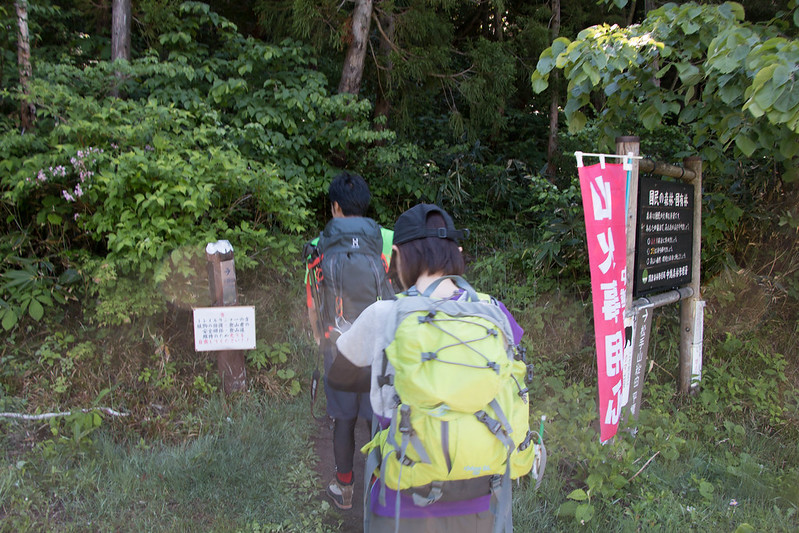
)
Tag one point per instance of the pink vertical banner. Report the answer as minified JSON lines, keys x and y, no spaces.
{"x":603,"y":188}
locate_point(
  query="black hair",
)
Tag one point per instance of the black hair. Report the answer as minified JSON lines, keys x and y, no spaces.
{"x":351,"y":193}
{"x":429,"y":255}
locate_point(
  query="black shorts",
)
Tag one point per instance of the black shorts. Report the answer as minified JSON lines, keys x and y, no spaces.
{"x":347,"y":405}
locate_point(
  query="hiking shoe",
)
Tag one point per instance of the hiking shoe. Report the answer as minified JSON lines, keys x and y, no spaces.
{"x":341,"y":494}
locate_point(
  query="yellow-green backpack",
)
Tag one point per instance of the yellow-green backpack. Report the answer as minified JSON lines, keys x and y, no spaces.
{"x":462,"y":408}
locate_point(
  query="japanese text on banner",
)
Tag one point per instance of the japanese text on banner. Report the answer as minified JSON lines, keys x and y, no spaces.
{"x":603,"y":192}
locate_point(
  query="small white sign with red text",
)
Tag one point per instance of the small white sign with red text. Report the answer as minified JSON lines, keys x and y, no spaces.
{"x":224,"y":328}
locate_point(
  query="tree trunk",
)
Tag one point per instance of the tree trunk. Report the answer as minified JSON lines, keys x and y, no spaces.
{"x":631,"y":14}
{"x":120,"y":37}
{"x":383,"y":104}
{"x":27,"y":111}
{"x":120,"y":30}
{"x":353,"y":64}
{"x":499,"y":34}
{"x":649,"y":5}
{"x":552,"y":146}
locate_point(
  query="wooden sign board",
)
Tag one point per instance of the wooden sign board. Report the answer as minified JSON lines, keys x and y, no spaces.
{"x":641,"y":331}
{"x":224,"y":328}
{"x":664,"y":243}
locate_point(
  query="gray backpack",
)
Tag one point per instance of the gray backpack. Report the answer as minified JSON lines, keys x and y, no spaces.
{"x":349,"y":273}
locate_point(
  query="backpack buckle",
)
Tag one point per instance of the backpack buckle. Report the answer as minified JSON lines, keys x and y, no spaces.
{"x":493,"y":425}
{"x":427,"y":318}
{"x":526,"y":442}
{"x":407,"y":461}
{"x":310,"y":250}
{"x":521,"y":353}
{"x":495,"y":482}
{"x":404,"y":425}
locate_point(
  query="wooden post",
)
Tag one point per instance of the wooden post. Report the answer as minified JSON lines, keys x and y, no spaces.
{"x":625,"y":146}
{"x":692,"y":309}
{"x":222,"y":280}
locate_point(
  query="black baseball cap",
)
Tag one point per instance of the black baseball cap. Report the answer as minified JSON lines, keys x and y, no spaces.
{"x":412,"y":225}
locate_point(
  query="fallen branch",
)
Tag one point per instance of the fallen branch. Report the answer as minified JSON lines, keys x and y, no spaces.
{"x":44,"y":416}
{"x":645,"y":465}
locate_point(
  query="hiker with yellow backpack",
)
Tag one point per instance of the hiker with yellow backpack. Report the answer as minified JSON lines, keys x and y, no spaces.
{"x":448,"y":392}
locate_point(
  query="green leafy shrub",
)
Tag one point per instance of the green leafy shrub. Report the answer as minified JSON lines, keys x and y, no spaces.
{"x":216,"y":136}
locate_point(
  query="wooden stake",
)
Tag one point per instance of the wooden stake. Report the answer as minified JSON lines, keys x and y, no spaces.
{"x":222,"y":280}
{"x":624,"y":146}
{"x":690,"y":324}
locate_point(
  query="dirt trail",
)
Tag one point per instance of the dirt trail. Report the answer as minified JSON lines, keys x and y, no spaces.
{"x":352,"y":519}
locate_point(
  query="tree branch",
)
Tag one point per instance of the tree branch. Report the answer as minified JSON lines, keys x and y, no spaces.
{"x":452,"y":76}
{"x":383,"y":33}
{"x":45,"y":416}
{"x":645,"y":465}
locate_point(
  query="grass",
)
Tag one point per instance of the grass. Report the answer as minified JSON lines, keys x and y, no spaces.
{"x":252,"y":467}
{"x":187,"y":459}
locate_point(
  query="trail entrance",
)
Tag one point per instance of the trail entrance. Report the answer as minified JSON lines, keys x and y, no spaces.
{"x":349,"y":521}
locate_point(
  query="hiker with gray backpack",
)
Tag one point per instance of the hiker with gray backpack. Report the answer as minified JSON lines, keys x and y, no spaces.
{"x":346,"y":272}
{"x":448,"y":391}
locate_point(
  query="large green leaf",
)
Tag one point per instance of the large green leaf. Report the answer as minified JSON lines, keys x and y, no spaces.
{"x":592,"y":72}
{"x":546,"y":62}
{"x":650,"y":117}
{"x":753,"y":108}
{"x":577,"y":122}
{"x":768,"y":95}
{"x":688,"y":72}
{"x":578,"y":495}
{"x":36,"y":310}
{"x":9,"y":319}
{"x":746,"y":145}
{"x":539,"y":82}
{"x":763,"y":76}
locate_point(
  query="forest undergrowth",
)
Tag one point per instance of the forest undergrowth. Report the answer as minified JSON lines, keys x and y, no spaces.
{"x":179,"y":455}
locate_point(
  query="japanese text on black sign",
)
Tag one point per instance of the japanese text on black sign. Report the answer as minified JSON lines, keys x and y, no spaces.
{"x":665,"y":236}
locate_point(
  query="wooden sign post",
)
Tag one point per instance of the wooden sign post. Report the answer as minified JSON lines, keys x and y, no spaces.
{"x":222,"y":279}
{"x":679,"y":250}
{"x":692,"y":309}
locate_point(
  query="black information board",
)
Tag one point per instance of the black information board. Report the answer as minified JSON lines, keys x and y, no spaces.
{"x":664,"y":241}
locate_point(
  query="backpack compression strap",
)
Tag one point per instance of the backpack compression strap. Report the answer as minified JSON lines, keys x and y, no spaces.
{"x":503,"y":517}
{"x":459,"y":281}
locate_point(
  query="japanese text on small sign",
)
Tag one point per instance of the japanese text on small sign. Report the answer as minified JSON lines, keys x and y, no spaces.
{"x":224,"y":328}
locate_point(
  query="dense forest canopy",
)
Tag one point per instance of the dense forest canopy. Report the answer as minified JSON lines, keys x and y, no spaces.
{"x":226,"y":121}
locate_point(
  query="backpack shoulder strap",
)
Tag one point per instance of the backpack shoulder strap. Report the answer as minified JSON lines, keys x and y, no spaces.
{"x":459,"y":281}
